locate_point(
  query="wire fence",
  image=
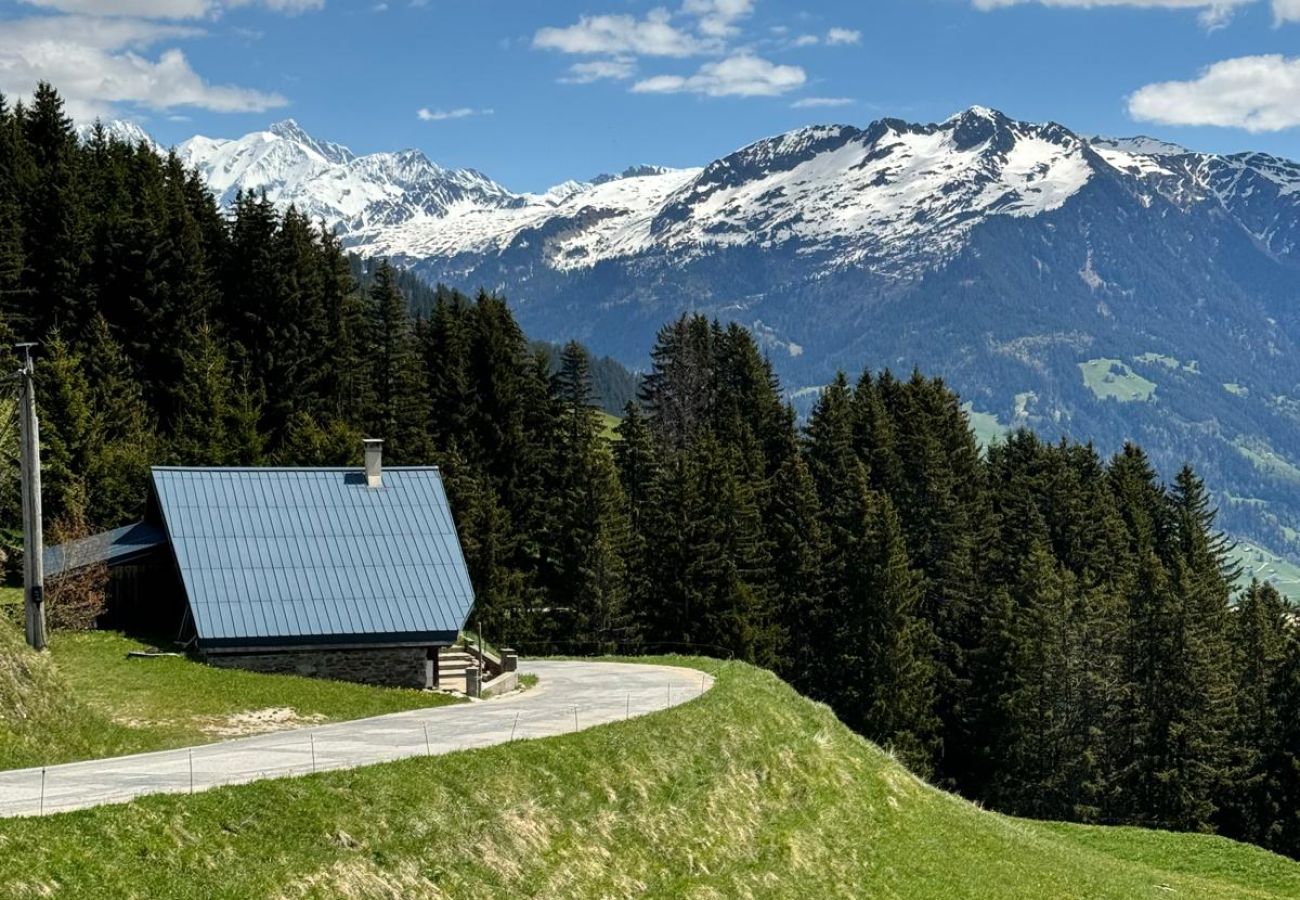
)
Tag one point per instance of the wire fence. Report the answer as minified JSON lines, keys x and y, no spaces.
{"x":429,"y":732}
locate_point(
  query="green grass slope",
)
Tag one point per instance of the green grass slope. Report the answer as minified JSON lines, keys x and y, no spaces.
{"x":750,"y":791}
{"x":40,"y":717}
{"x":87,"y":698}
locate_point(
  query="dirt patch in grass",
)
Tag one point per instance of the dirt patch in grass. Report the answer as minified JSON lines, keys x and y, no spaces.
{"x":256,"y":721}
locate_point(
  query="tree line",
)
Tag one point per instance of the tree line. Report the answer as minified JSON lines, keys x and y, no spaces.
{"x":1050,"y":633}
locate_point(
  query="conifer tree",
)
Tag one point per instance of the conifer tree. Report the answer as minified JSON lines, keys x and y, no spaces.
{"x":1200,"y":687}
{"x":12,"y":258}
{"x":897,"y":642}
{"x":395,"y":373}
{"x":122,"y":443}
{"x":67,"y":425}
{"x":589,"y":535}
{"x":218,"y":420}
{"x":1282,"y":755}
{"x":1261,"y":629}
{"x":678,"y":393}
{"x":53,"y":223}
{"x":795,"y":535}
{"x":504,"y":600}
{"x":347,"y":390}
{"x":445,"y":343}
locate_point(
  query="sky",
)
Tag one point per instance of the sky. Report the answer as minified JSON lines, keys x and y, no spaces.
{"x":534,"y":93}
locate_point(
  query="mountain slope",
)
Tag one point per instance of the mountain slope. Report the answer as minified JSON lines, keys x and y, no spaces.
{"x":750,"y":791}
{"x":1044,"y":273}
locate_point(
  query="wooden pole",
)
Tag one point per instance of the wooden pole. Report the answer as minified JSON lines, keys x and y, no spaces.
{"x":33,"y":536}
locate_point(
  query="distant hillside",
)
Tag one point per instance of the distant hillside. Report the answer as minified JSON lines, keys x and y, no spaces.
{"x":750,"y":791}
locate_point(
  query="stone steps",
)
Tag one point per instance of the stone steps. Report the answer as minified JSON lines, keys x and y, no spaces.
{"x":451,"y":669}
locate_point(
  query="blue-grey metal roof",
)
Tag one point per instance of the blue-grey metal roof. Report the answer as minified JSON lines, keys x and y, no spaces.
{"x":114,"y":547}
{"x":279,"y":557}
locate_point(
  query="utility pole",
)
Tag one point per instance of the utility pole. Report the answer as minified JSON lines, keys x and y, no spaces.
{"x":33,"y":536}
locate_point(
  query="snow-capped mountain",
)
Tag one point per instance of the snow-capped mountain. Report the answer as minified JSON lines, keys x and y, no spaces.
{"x":118,"y":130}
{"x":327,"y":181}
{"x":1110,"y":288}
{"x":894,"y":198}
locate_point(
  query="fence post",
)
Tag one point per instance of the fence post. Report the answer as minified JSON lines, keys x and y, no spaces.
{"x":191,"y":770}
{"x":42,"y":790}
{"x":312,"y":735}
{"x":428,"y":747}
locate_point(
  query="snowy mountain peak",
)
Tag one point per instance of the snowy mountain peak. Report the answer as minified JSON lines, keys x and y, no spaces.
{"x":290,"y":130}
{"x":119,"y":130}
{"x":330,"y":183}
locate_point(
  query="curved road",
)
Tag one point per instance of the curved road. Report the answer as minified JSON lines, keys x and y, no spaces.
{"x":569,"y":696}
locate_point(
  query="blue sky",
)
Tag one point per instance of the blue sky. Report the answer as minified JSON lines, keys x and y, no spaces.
{"x":534,"y":93}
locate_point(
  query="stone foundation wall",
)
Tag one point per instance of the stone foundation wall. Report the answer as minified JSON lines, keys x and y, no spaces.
{"x":389,"y":667}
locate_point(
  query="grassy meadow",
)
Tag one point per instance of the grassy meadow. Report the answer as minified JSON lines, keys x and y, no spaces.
{"x":87,"y":698}
{"x":750,"y":791}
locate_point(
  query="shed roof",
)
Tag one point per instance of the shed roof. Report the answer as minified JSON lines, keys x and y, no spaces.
{"x":114,"y":547}
{"x":281,"y":557}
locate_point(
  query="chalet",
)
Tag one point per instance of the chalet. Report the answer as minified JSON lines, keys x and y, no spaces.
{"x":348,"y":573}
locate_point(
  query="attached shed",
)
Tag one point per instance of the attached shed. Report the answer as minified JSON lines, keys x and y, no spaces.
{"x":347,"y":573}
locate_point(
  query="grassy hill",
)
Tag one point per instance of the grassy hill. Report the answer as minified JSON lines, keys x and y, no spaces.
{"x":87,"y":699}
{"x":751,"y":791}
{"x":41,"y":718}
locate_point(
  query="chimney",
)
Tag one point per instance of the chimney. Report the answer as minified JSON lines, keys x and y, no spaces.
{"x":374,"y":448}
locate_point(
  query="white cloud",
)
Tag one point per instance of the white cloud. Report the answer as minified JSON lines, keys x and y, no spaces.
{"x":1213,"y":12}
{"x":442,"y":115}
{"x":99,"y":63}
{"x":1286,"y":11}
{"x":600,"y":69}
{"x":1257,"y":93}
{"x":170,"y":9}
{"x":822,"y":102}
{"x":742,"y":75}
{"x":655,"y":35}
{"x":718,"y":18}
{"x":843,"y":36}
{"x":807,"y":40}
{"x":287,"y":7}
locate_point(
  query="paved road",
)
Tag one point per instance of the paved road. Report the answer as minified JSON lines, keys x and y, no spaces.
{"x":569,"y":696}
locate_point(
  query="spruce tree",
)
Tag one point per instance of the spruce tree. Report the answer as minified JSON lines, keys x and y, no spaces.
{"x":53,"y":224}
{"x":1281,"y":756}
{"x":122,"y":443}
{"x":1261,"y":631}
{"x":589,"y":537}
{"x":794,"y":531}
{"x":217,"y":424}
{"x":897,"y":642}
{"x":396,"y":375}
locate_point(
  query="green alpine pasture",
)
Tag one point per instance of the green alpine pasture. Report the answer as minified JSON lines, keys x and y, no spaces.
{"x":750,"y":791}
{"x":1256,"y":562}
{"x":87,"y":698}
{"x":1112,"y":379}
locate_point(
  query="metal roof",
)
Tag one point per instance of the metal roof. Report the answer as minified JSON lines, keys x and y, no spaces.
{"x":114,"y":547}
{"x":279,"y":557}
